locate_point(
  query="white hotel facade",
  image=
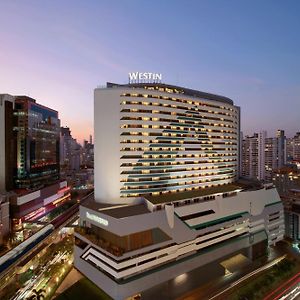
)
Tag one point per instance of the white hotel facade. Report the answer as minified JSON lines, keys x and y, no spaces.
{"x":167,"y":196}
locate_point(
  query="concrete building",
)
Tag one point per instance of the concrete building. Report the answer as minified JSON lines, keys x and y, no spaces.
{"x":167,"y":196}
{"x":152,"y":140}
{"x":261,"y":155}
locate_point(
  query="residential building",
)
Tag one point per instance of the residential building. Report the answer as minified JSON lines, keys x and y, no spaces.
{"x":261,"y":155}
{"x":88,"y":154}
{"x":70,"y":152}
{"x":293,"y":149}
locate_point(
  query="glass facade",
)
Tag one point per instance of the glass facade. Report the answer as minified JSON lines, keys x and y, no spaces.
{"x":37,"y":130}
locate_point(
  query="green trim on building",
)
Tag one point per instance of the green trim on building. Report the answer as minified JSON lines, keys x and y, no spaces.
{"x":274,"y":203}
{"x":169,"y":138}
{"x":219,"y":221}
{"x":175,"y":131}
{"x":161,"y":152}
{"x":159,"y":145}
{"x":187,"y":125}
{"x":155,"y":159}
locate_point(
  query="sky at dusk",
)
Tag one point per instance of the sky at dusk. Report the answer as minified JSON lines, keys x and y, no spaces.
{"x":59,"y":51}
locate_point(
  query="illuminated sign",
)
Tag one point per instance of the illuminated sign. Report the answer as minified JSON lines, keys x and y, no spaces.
{"x":137,"y":77}
{"x":96,"y":219}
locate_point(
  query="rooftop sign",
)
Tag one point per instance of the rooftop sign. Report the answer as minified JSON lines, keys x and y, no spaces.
{"x":147,"y":77}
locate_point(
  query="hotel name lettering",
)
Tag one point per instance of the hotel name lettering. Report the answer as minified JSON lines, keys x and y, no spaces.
{"x":146,"y":77}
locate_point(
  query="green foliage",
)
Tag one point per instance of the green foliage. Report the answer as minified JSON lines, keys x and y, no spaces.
{"x":258,"y":287}
{"x":61,"y":209}
{"x":25,"y":276}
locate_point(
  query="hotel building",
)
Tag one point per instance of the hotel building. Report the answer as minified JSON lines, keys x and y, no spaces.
{"x":167,"y":196}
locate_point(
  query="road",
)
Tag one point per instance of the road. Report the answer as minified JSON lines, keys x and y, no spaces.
{"x":38,"y":279}
{"x":253,"y":273}
{"x":194,"y":290}
{"x":289,"y":290}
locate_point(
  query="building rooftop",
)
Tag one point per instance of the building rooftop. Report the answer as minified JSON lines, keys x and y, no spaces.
{"x":126,"y":211}
{"x":115,"y":210}
{"x":173,"y":89}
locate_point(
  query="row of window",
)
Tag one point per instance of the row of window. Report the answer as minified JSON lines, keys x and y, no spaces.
{"x":190,"y":109}
{"x":174,"y":189}
{"x":175,"y":122}
{"x":178,"y":100}
{"x":184,"y":184}
{"x":174,"y":113}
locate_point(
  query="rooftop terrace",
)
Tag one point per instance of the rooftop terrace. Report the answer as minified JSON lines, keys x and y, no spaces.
{"x":115,"y":210}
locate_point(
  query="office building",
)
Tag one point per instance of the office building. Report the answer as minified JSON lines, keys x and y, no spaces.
{"x":37,"y":137}
{"x":167,"y":195}
{"x":7,"y":143}
{"x":262,"y":155}
{"x":30,"y":173}
{"x":4,"y":217}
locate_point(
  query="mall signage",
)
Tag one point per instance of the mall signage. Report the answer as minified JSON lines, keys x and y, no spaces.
{"x":96,"y":219}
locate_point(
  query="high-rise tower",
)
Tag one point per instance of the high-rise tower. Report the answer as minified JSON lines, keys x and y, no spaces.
{"x":154,"y":139}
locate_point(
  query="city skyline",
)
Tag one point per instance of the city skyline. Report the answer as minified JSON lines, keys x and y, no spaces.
{"x":247,"y":51}
{"x":149,"y":149}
